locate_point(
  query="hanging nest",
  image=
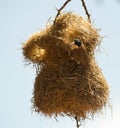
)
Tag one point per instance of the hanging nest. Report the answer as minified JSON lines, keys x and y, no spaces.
{"x":57,"y":90}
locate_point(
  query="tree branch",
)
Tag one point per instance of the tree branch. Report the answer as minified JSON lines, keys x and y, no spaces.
{"x":59,"y":10}
{"x":86,"y":11}
{"x":77,"y":121}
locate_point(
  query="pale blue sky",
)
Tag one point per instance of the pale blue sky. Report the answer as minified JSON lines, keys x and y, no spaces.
{"x":21,"y":18}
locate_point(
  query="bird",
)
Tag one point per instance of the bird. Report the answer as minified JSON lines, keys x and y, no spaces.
{"x":79,"y":53}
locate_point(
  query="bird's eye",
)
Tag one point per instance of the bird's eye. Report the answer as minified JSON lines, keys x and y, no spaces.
{"x":77,"y":42}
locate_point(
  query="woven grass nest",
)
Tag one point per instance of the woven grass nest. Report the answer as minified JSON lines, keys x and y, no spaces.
{"x":56,"y":90}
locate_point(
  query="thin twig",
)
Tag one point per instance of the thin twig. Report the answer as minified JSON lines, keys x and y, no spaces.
{"x":77,"y":122}
{"x":86,"y":11}
{"x":59,"y":10}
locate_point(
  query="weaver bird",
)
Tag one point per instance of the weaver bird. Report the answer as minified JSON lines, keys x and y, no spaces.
{"x":78,"y":52}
